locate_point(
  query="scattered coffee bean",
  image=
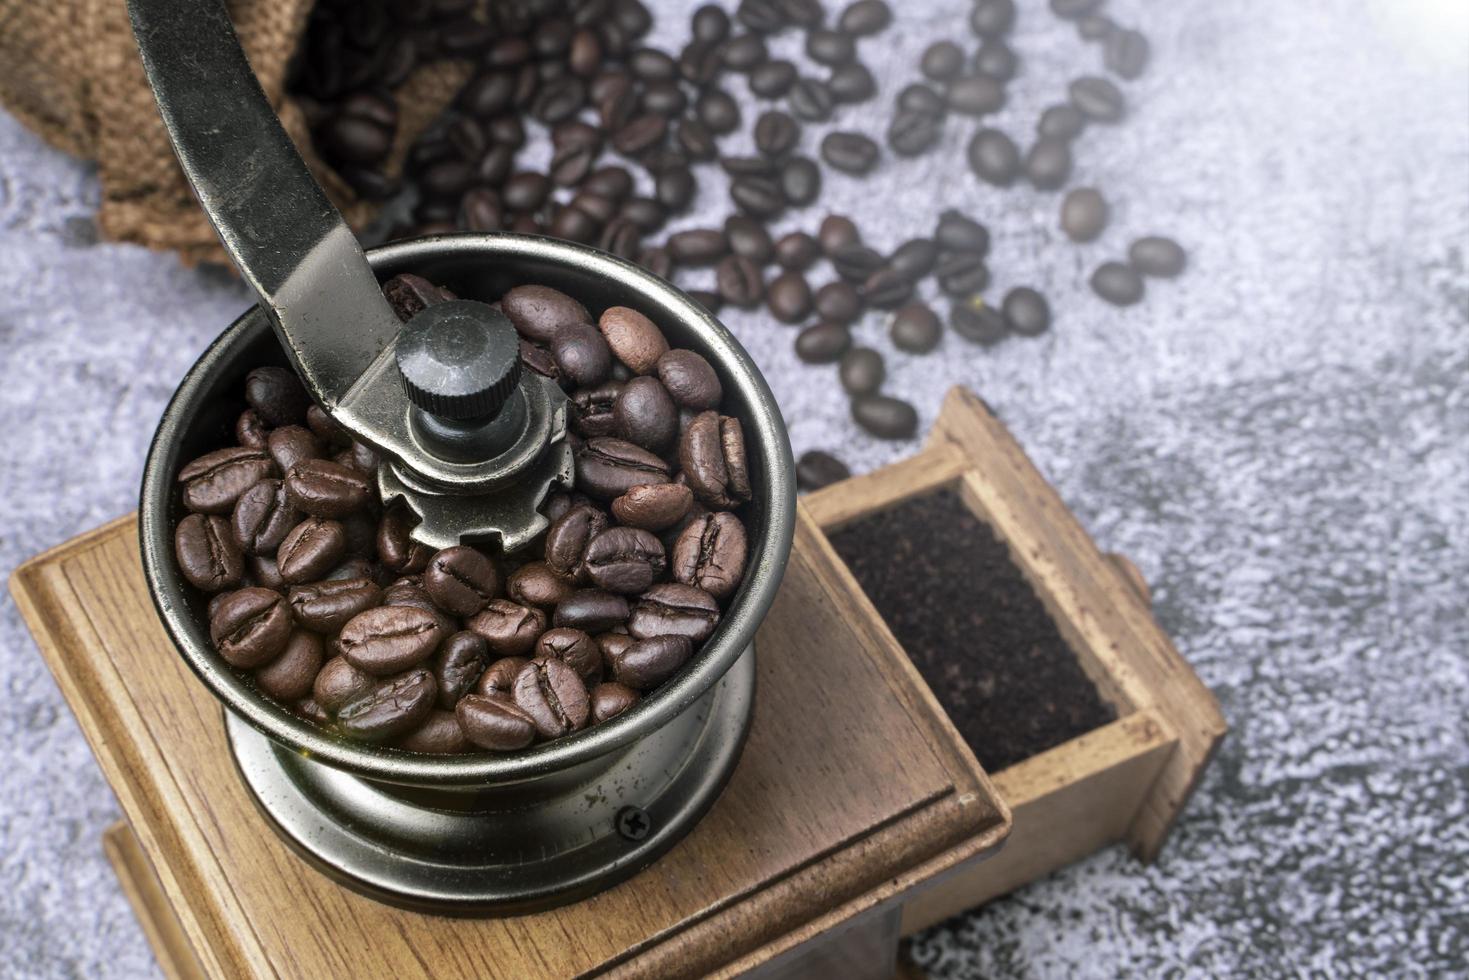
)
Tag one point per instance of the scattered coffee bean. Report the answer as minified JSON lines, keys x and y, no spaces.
{"x":1157,"y":256}
{"x":760,"y":197}
{"x":1083,"y":214}
{"x":811,"y":100}
{"x":862,"y":371}
{"x":851,"y":153}
{"x":1098,"y":99}
{"x":978,"y":322}
{"x":992,"y":18}
{"x":816,"y":469}
{"x":1026,"y":311}
{"x":789,"y":297}
{"x":800,"y":180}
{"x":942,"y":61}
{"x":1063,"y":122}
{"x":772,"y":79}
{"x":1126,"y":54}
{"x":996,"y":59}
{"x":852,"y":83}
{"x":1048,"y":164}
{"x":1117,"y":283}
{"x":776,"y":133}
{"x":915,"y":328}
{"x":976,"y":95}
{"x":994,"y":157}
{"x":822,"y":343}
{"x":884,"y":416}
{"x":749,"y":238}
{"x":739,"y":281}
{"x":797,"y":251}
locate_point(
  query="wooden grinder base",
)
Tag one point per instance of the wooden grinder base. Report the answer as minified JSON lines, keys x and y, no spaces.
{"x":853,"y":790}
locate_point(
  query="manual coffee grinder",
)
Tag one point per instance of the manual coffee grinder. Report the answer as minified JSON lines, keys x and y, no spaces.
{"x":701,"y":832}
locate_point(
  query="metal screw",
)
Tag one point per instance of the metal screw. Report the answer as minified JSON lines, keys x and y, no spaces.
{"x":633,"y":823}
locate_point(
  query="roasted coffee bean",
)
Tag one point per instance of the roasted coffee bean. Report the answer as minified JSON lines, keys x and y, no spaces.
{"x":290,"y":444}
{"x":640,"y":135}
{"x":410,"y":295}
{"x":353,"y":139}
{"x":625,"y":560}
{"x":568,"y":536}
{"x":884,"y":416}
{"x":396,"y":549}
{"x":611,"y":699}
{"x":446,"y":180}
{"x":914,"y":259}
{"x":616,"y":103}
{"x":911,"y":133}
{"x":760,"y":16}
{"x":498,"y":680}
{"x":856,"y":262}
{"x":311,"y":549}
{"x":886,"y":288}
{"x":207,"y":552}
{"x":652,"y":65}
{"x":994,"y":157}
{"x":590,"y":610}
{"x":719,"y":111}
{"x":599,"y":209}
{"x":1048,"y":164}
{"x":553,"y":696}
{"x":709,"y":23}
{"x":494,"y":723}
{"x":789,"y":297}
{"x":995,"y":59}
{"x":823,"y":342}
{"x":250,"y":626}
{"x":351,"y":568}
{"x":838,"y":302}
{"x":264,"y":572}
{"x":674,"y":609}
{"x":457,"y":666}
{"x":749,"y":238}
{"x":1026,"y":311}
{"x":976,"y":95}
{"x":1083,"y":214}
{"x":325,"y":607}
{"x":584,"y":54}
{"x":250,"y":431}
{"x":739,"y":281}
{"x":747,"y":166}
{"x":710,"y":553}
{"x":962,"y":274}
{"x":1117,"y":283}
{"x":776,"y":133}
{"x":573,"y":159}
{"x":922,"y":99}
{"x":800,"y":180}
{"x":942,"y":61}
{"x":696,"y":140}
{"x":664,"y":98}
{"x":290,"y":675}
{"x":277,"y":396}
{"x":323,"y":488}
{"x":394,"y":707}
{"x":480,"y":210}
{"x":645,"y":664}
{"x":461,"y":580}
{"x":438,"y":734}
{"x":632,"y":338}
{"x":657,"y":261}
{"x":489,"y":94}
{"x":1157,"y":256}
{"x":708,"y":299}
{"x":978,"y":322}
{"x":1098,"y":99}
{"x":816,"y":469}
{"x":761,"y":197}
{"x":1073,"y":9}
{"x":612,"y":182}
{"x":674,"y":188}
{"x":992,"y":18}
{"x":509,"y":628}
{"x":326,"y":428}
{"x":697,"y":246}
{"x":862,"y":371}
{"x":645,"y":414}
{"x":537,"y":584}
{"x":797,"y":251}
{"x":772,"y":79}
{"x":574,"y":648}
{"x":652,"y":507}
{"x":573,"y":225}
{"x":712,"y":455}
{"x":865,"y":17}
{"x":539,"y":312}
{"x":622,"y":238}
{"x":915,"y":328}
{"x":582,"y":355}
{"x":959,"y":233}
{"x":837,"y":232}
{"x":1125,"y":53}
{"x":608,"y":467}
{"x":495,"y":166}
{"x":338,"y":684}
{"x":214,"y":482}
{"x":851,"y":153}
{"x":830,"y":48}
{"x":811,"y":100}
{"x":852,"y":83}
{"x":744,"y":52}
{"x":1063,"y":121}
{"x":390,"y":639}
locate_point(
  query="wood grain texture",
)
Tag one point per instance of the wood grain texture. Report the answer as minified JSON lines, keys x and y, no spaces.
{"x":1093,"y":599}
{"x":852,"y":790}
{"x":144,"y":893}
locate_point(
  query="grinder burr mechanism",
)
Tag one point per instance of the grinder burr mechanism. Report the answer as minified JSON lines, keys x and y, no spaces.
{"x":472,"y":444}
{"x":469,"y":442}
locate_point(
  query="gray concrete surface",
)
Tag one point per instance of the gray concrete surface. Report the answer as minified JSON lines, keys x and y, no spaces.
{"x":1280,"y":439}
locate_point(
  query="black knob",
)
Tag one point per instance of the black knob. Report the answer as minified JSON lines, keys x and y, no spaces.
{"x":459,"y":360}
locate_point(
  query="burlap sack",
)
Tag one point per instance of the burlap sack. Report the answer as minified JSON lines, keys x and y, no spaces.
{"x":69,"y":69}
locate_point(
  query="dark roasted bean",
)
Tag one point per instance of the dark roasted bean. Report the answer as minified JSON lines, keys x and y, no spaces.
{"x":712,"y":455}
{"x":710,"y":553}
{"x":289,"y":676}
{"x":856,"y":262}
{"x":789,"y":297}
{"x":323,"y":488}
{"x":644,"y":413}
{"x":574,"y":648}
{"x":911,"y":133}
{"x":838,"y":302}
{"x":1048,"y":164}
{"x":811,"y":100}
{"x":394,"y":707}
{"x":978,"y":322}
{"x":674,"y":188}
{"x":696,"y":140}
{"x":311,"y":549}
{"x":640,"y":135}
{"x":915,"y":328}
{"x":607,"y":468}
{"x":797,"y":251}
{"x":852,"y":153}
{"x":1063,"y":121}
{"x":886,"y":288}
{"x":457,"y":666}
{"x":1083,"y":214}
{"x":749,"y":238}
{"x":290,"y":444}
{"x":837,"y":232}
{"x":664,"y":98}
{"x":592,"y":610}
{"x":494,"y":723}
{"x":816,"y":469}
{"x":800,"y":180}
{"x":772,"y":79}
{"x":761,"y":197}
{"x":744,"y":52}
{"x":250,"y":431}
{"x":611,"y":699}
{"x":942,"y":60}
{"x":830,"y":48}
{"x":697,"y":246}
{"x":719,"y":111}
{"x":390,"y":639}
{"x":1098,"y":99}
{"x":461,"y":580}
{"x":994,"y":157}
{"x":995,"y":59}
{"x":776,"y":133}
{"x":822,"y":343}
{"x":509,"y":628}
{"x":865,"y":17}
{"x":914,"y":259}
{"x":992,"y":18}
{"x":959,"y":233}
{"x":1157,"y":256}
{"x":568,"y":536}
{"x":207,"y":552}
{"x":962,"y":274}
{"x":633,"y":339}
{"x":976,"y":95}
{"x":1126,"y":53}
{"x":396,"y":549}
{"x":214,"y":482}
{"x":645,"y":664}
{"x":551,"y":694}
{"x":709,"y":23}
{"x":539,"y":312}
{"x":625,"y":560}
{"x":438,"y":734}
{"x":862,"y":371}
{"x":498,"y":680}
{"x":537,"y":584}
{"x":1026,"y":311}
{"x":325,"y":607}
{"x":250,"y":626}
{"x":852,"y":83}
{"x":581,"y":354}
{"x":652,"y":507}
{"x":884,"y":416}
{"x":921,"y":98}
{"x":339,"y":683}
{"x":739,"y":281}
{"x":674,"y":609}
